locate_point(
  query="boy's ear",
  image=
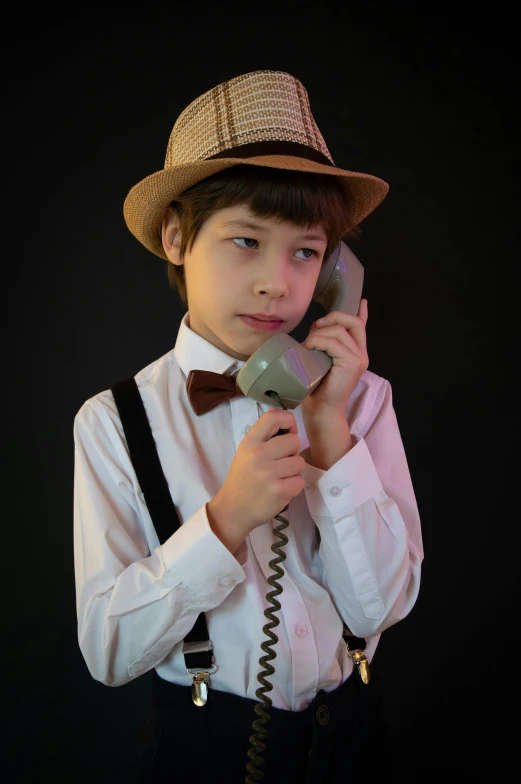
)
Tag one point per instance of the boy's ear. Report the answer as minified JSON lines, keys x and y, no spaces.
{"x":170,"y":235}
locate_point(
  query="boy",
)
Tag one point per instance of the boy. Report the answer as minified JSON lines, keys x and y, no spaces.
{"x":248,"y":207}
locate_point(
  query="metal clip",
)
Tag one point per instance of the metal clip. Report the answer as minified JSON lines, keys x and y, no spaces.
{"x":200,"y":684}
{"x":200,"y":688}
{"x":360,"y":659}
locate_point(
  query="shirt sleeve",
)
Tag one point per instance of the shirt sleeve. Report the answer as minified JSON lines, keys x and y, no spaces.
{"x":134,"y":606}
{"x":370,"y":537}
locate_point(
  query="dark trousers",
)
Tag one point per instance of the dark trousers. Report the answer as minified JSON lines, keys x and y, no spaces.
{"x":339,"y":737}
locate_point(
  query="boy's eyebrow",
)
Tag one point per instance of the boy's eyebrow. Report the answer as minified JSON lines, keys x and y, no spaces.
{"x":242,"y":224}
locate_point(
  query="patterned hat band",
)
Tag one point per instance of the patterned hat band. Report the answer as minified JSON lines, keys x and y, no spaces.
{"x":262,"y":118}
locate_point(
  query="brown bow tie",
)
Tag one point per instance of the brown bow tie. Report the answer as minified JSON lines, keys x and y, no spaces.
{"x":206,"y":389}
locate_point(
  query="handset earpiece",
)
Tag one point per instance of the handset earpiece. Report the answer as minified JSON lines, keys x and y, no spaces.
{"x":340,"y":283}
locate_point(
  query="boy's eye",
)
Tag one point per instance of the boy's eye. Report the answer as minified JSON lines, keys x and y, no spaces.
{"x":247,"y":240}
{"x":310,"y":251}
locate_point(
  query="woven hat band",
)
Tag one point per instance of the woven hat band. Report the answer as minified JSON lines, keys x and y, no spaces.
{"x":273,"y":147}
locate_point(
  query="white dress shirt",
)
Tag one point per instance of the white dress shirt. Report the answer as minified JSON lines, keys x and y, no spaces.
{"x":354,"y":551}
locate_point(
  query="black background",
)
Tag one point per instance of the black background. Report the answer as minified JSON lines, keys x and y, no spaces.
{"x":425,"y":100}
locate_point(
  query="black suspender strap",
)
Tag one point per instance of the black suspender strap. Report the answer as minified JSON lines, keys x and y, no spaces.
{"x":143,"y":454}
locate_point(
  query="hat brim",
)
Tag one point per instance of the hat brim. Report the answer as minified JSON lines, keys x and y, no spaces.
{"x":147,"y":201}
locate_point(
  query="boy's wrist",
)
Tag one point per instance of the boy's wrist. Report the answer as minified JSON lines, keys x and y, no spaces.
{"x":224,"y":525}
{"x":329,"y":440}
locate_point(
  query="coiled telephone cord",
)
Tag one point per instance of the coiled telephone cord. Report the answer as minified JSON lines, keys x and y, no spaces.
{"x":258,"y":747}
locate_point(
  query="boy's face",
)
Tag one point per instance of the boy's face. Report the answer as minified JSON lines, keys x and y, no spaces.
{"x":267,"y":267}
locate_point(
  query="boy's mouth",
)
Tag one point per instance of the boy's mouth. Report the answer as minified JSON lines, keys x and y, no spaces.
{"x":265,"y":324}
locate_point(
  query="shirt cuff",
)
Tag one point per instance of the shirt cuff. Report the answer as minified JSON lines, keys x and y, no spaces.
{"x":349,"y":483}
{"x":195,"y":556}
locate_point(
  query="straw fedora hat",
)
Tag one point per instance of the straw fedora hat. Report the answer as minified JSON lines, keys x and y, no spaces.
{"x":262,"y":118}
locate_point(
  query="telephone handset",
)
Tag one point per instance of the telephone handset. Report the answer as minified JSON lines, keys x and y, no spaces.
{"x":285,"y":370}
{"x":285,"y":367}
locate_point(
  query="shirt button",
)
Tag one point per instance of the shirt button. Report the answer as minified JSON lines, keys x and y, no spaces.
{"x":225,"y":582}
{"x":322,"y":714}
{"x":301,"y":630}
{"x":245,"y":429}
{"x":335,"y":490}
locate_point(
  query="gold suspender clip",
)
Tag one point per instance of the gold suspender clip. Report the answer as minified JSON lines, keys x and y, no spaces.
{"x":360,"y":659}
{"x":201,"y":679}
{"x":358,"y":656}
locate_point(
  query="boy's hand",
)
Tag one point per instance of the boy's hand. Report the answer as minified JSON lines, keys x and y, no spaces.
{"x":263,"y":477}
{"x":343,"y":337}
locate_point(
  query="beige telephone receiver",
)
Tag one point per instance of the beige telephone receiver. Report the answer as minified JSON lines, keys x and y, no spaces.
{"x":285,"y":370}
{"x":285,"y":367}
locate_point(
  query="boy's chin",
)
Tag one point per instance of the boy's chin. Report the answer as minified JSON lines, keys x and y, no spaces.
{"x":244,"y":349}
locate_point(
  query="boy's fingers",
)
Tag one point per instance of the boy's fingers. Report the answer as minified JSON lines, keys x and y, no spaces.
{"x":274,"y":420}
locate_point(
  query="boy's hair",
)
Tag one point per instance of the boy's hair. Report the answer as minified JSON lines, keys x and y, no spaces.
{"x":303,"y":198}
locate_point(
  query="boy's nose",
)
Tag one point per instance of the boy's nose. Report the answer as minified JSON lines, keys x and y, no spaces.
{"x":272,"y":289}
{"x":273,"y":281}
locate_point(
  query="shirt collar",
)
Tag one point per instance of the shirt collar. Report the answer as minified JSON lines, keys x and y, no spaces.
{"x":194,"y":352}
